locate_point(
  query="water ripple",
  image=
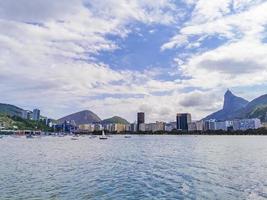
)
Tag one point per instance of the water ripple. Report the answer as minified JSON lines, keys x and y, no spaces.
{"x":143,"y":167}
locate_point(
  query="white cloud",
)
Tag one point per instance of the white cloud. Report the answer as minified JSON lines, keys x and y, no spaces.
{"x":239,"y":61}
{"x":47,"y":52}
{"x":233,"y":25}
{"x":49,"y":61}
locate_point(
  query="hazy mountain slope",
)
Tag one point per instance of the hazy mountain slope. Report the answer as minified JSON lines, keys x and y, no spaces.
{"x":83,"y":117}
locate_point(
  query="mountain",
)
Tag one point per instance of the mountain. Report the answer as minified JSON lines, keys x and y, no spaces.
{"x":238,"y":108}
{"x":10,"y":110}
{"x":115,"y":120}
{"x":232,"y":105}
{"x":232,"y":102}
{"x":257,"y":108}
{"x":83,"y":117}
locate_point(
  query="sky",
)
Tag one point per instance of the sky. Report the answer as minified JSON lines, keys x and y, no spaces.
{"x":118,"y":57}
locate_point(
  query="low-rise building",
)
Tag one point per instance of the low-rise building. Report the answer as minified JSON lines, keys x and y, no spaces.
{"x":87,"y":128}
{"x":67,"y":126}
{"x":245,"y":124}
{"x":200,"y":125}
{"x":133,"y":127}
{"x":153,"y":127}
{"x":209,"y":125}
{"x":197,"y":126}
{"x":192,"y":126}
{"x":120,"y":128}
{"x":107,"y":127}
{"x":98,"y":127}
{"x":221,"y":125}
{"x":264,"y":125}
{"x":142,"y":127}
{"x":127,"y":127}
{"x":116,"y":127}
{"x":237,"y":124}
{"x":170,"y":126}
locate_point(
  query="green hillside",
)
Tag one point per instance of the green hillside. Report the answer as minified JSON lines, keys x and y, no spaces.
{"x":115,"y":120}
{"x":10,"y":109}
{"x":10,"y":122}
{"x":259,"y":112}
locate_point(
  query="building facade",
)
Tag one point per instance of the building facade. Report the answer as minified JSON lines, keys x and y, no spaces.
{"x":170,"y":126}
{"x":232,"y":125}
{"x":87,"y":128}
{"x":36,"y":114}
{"x":182,"y":120}
{"x":25,"y":114}
{"x":246,"y":124}
{"x":140,"y":119}
{"x":154,"y":127}
{"x":142,"y":127}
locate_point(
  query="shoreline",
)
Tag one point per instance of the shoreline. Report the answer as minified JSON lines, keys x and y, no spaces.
{"x":261,"y":131}
{"x":138,"y":134}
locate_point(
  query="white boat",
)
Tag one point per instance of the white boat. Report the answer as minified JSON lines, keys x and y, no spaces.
{"x":103,"y":136}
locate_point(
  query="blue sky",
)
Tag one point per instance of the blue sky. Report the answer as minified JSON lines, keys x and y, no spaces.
{"x":141,"y":49}
{"x":118,"y":57}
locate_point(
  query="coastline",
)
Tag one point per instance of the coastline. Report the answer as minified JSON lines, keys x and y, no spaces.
{"x":261,"y":131}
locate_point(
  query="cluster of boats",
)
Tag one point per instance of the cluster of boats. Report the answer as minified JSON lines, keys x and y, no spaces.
{"x":73,"y":136}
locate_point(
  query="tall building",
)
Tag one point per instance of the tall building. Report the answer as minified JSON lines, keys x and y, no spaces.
{"x":36,"y":114}
{"x":25,"y":114}
{"x":182,"y":120}
{"x":140,"y":119}
{"x":134,"y":127}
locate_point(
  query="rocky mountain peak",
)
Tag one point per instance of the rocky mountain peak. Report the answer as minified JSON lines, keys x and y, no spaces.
{"x":232,"y":102}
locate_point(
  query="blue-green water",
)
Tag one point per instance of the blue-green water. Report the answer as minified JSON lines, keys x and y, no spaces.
{"x":141,"y":167}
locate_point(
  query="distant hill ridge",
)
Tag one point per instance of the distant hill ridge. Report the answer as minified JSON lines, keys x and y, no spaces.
{"x":238,"y":108}
{"x":88,"y":117}
{"x":82,"y":117}
{"x":11,"y":110}
{"x":115,"y":120}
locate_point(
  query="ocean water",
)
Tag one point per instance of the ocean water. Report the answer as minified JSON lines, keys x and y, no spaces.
{"x":141,"y":167}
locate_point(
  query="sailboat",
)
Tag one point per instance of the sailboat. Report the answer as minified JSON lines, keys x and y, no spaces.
{"x":103,"y":136}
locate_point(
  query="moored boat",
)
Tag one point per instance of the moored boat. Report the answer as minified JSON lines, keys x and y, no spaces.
{"x":103,"y":136}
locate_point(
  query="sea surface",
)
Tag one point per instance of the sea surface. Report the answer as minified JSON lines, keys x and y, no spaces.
{"x":140,"y":167}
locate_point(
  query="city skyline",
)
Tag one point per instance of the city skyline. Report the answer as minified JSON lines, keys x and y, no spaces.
{"x":116,"y":57}
{"x":133,"y":99}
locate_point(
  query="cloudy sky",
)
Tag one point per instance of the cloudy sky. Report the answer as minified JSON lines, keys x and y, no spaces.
{"x":117,"y":57}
